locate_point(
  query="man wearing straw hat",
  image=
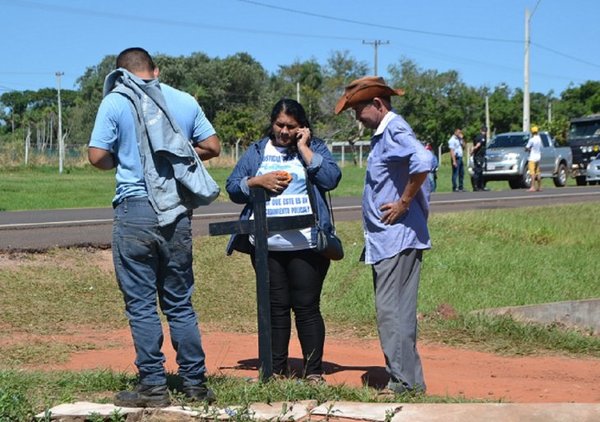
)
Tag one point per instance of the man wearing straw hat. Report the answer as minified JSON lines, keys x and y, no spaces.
{"x":395,"y":210}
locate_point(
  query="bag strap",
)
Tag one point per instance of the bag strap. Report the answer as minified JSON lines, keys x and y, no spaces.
{"x":311,"y":198}
{"x":313,"y":202}
{"x":330,"y":208}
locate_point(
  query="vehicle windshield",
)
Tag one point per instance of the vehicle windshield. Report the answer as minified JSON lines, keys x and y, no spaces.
{"x":584,"y":129}
{"x":509,"y":141}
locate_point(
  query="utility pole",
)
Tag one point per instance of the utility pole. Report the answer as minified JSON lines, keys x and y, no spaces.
{"x":61,"y":146}
{"x":526,"y":75}
{"x":375,"y":44}
{"x":487,"y":117}
{"x":526,"y":105}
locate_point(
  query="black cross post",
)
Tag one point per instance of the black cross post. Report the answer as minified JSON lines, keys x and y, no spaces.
{"x":260,"y":227}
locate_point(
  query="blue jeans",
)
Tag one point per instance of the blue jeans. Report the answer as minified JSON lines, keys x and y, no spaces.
{"x":458,"y":172}
{"x":153,"y":261}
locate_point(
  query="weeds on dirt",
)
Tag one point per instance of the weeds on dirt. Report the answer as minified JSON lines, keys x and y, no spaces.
{"x":503,"y":335}
{"x":25,"y":393}
{"x":14,"y":405}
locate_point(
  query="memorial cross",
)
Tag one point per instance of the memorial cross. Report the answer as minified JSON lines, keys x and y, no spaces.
{"x":260,"y":227}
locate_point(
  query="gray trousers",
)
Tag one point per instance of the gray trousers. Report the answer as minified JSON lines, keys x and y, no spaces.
{"x":396,"y":283}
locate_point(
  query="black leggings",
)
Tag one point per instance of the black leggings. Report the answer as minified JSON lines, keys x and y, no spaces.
{"x":296,"y":280}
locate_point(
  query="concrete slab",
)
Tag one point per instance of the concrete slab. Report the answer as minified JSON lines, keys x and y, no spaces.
{"x":584,"y":314}
{"x":84,"y":408}
{"x":354,"y":410}
{"x":505,"y":412}
{"x":282,"y":411}
{"x":394,"y":412}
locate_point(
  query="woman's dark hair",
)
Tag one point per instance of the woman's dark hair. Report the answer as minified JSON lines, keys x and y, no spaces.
{"x":291,"y":108}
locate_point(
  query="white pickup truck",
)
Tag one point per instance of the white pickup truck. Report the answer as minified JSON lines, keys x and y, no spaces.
{"x":506,"y":159}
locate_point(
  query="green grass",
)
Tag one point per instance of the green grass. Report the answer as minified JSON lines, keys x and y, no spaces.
{"x":42,"y":187}
{"x":480,"y":259}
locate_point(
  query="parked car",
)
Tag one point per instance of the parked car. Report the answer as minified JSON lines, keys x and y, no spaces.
{"x":506,"y":159}
{"x":592,"y":174}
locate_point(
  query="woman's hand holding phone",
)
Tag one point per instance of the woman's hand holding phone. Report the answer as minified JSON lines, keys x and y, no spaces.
{"x":303,"y":137}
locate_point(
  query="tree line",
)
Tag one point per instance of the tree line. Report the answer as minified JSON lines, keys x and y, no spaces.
{"x":237,"y":94}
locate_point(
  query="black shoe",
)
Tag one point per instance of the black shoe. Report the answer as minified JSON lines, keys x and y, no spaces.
{"x":144,"y":396}
{"x":199,"y":392}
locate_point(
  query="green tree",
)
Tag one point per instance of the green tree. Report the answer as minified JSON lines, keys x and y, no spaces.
{"x":340,"y":70}
{"x":308,"y":75}
{"x":435,"y":103}
{"x":90,"y":89}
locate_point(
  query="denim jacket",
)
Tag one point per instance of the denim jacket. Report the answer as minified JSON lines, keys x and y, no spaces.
{"x":176,"y":180}
{"x":323,"y":172}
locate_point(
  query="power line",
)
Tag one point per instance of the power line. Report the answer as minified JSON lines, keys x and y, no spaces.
{"x":24,"y":73}
{"x":194,"y":25}
{"x":417,"y":31}
{"x":568,"y":56}
{"x":167,"y":22}
{"x":382,"y":26}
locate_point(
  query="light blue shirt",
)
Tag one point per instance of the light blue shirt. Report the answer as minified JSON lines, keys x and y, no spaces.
{"x":114,"y":131}
{"x":395,"y":155}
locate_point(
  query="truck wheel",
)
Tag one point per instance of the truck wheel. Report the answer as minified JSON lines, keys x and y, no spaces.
{"x":560,"y":180}
{"x":514,"y":183}
{"x":525,"y":180}
{"x":580,"y":180}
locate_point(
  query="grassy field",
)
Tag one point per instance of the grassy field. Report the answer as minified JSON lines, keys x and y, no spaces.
{"x":480,"y":259}
{"x":42,"y":187}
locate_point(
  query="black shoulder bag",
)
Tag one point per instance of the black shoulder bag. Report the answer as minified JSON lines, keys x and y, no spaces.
{"x":328,"y":244}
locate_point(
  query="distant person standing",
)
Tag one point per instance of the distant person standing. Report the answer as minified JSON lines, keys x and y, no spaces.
{"x":534,"y":147}
{"x":153,"y":134}
{"x":456,"y":143}
{"x":478,"y":152}
{"x":434,"y":167}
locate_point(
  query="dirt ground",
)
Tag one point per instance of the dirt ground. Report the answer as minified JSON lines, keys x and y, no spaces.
{"x":448,"y":371}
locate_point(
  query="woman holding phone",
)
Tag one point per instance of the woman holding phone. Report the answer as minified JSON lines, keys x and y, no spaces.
{"x":281,"y":163}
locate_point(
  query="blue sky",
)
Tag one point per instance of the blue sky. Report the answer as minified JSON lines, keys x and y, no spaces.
{"x":481,"y":39}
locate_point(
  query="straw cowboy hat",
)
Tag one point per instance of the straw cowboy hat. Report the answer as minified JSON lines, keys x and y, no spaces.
{"x":364,"y":89}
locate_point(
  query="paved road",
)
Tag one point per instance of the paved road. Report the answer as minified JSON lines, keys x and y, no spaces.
{"x":40,"y":230}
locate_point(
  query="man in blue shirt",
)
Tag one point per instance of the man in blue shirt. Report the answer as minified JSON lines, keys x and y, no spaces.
{"x":152,"y":239}
{"x":395,"y":210}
